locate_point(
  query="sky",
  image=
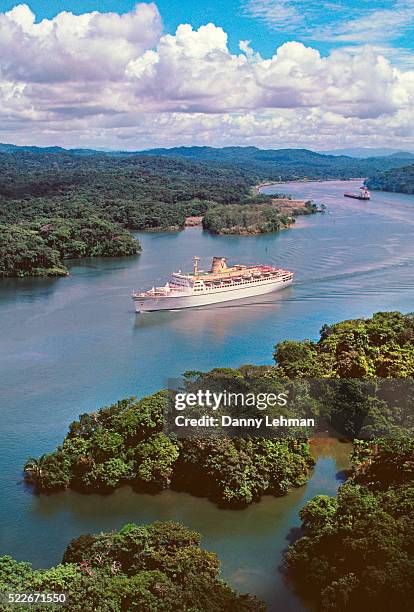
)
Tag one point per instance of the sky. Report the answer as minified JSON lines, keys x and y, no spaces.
{"x":116,"y":74}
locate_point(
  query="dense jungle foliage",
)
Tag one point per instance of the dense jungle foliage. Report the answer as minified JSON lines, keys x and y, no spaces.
{"x":239,"y":219}
{"x":357,"y":380}
{"x":90,"y":201}
{"x":357,"y":550}
{"x":260,"y":218}
{"x":158,"y":567}
{"x":399,"y":179}
{"x":39,"y":247}
{"x":381,"y":346}
{"x":58,"y":206}
{"x":375,"y":356}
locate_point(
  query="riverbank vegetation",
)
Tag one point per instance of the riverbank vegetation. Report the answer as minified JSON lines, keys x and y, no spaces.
{"x":381,"y":346}
{"x":147,"y":567}
{"x":400,"y":180}
{"x":357,"y":550}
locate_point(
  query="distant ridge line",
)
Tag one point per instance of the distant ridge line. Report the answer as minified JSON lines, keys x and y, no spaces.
{"x":206,"y":152}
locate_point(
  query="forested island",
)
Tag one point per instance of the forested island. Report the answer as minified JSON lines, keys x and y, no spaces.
{"x":57,"y":205}
{"x":400,"y":180}
{"x":158,"y":567}
{"x":249,"y":220}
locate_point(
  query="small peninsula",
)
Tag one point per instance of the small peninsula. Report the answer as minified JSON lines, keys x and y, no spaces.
{"x":272,"y":214}
{"x":40,"y":247}
{"x":125,"y":443}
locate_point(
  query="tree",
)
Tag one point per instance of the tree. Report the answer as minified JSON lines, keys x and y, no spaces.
{"x":50,"y":471}
{"x":296,"y":359}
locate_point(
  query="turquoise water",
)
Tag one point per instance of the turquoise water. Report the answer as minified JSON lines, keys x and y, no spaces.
{"x":73,"y":344}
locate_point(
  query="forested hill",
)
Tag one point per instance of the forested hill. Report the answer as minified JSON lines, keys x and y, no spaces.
{"x":287,"y":164}
{"x":269,"y":164}
{"x":399,"y":179}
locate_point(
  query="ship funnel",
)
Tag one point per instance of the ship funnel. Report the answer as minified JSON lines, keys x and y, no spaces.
{"x":218,"y":265}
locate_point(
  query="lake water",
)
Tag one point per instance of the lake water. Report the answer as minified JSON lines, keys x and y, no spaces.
{"x":73,"y":344}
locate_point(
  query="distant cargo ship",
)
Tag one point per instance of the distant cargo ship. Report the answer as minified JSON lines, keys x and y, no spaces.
{"x":363,"y":194}
{"x":219,"y":284}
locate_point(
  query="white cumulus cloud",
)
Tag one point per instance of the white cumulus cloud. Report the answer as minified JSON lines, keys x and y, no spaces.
{"x":92,"y":46}
{"x":103,"y":79}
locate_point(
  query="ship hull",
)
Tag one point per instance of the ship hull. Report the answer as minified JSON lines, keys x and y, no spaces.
{"x":355,"y":196}
{"x":215,"y":296}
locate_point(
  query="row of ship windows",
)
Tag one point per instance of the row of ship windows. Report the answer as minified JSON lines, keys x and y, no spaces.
{"x":284,"y":278}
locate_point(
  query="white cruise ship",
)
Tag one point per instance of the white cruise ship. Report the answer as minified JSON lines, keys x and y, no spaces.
{"x":220,"y":284}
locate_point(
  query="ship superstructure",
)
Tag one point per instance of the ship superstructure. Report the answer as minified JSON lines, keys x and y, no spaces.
{"x":362,"y":194}
{"x":219,"y":284}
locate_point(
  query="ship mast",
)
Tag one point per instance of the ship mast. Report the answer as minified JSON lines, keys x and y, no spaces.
{"x":196,"y":260}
